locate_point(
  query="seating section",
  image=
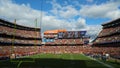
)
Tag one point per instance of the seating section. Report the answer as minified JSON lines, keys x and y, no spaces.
{"x":110,"y":34}
{"x":66,"y":42}
{"x":113,"y":51}
{"x":109,"y":31}
{"x":19,"y":41}
{"x":107,"y":35}
{"x":25,"y":40}
{"x":19,"y":51}
{"x":109,"y":39}
{"x":49,"y":36}
{"x":18,"y":32}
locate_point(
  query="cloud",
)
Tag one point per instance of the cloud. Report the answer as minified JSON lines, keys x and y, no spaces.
{"x":67,"y":11}
{"x":93,"y":30}
{"x":24,"y":14}
{"x":113,"y":14}
{"x":51,"y":22}
{"x":59,"y":18}
{"x":109,"y":9}
{"x":89,"y":1}
{"x":81,"y":23}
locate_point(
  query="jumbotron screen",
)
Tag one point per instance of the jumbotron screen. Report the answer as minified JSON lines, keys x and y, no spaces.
{"x":71,"y":34}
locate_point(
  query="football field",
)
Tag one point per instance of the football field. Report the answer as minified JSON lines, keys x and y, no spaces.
{"x":55,"y":61}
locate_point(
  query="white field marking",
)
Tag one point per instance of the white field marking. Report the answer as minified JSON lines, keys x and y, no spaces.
{"x":109,"y":66}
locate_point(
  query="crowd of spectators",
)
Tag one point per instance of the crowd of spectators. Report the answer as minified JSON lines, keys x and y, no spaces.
{"x":66,"y":42}
{"x":18,"y":51}
{"x":19,"y":41}
{"x":108,"y":39}
{"x":109,"y":31}
{"x":87,"y":50}
{"x":49,"y":36}
{"x":18,"y":32}
{"x":110,"y":34}
{"x":18,"y":36}
{"x":112,"y":51}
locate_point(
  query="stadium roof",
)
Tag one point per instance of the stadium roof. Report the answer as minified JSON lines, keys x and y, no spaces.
{"x":110,"y":22}
{"x":13,"y":25}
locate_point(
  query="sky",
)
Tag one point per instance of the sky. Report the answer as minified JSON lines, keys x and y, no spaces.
{"x":61,"y":14}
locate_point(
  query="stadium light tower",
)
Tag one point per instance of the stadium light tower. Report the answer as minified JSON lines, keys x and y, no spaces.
{"x":12,"y":55}
{"x":41,"y":13}
{"x":41,"y":7}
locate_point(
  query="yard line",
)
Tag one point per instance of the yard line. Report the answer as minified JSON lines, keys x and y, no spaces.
{"x":107,"y":65}
{"x":19,"y":64}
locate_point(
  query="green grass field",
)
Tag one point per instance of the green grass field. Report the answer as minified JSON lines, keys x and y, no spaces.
{"x":55,"y":61}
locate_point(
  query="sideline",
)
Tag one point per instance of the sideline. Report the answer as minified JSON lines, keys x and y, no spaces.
{"x":107,"y":65}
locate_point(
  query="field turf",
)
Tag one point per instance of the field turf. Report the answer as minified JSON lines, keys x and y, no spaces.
{"x":54,"y":61}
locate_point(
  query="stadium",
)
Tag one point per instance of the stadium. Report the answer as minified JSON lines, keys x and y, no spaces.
{"x":21,"y":46}
{"x":59,"y":34}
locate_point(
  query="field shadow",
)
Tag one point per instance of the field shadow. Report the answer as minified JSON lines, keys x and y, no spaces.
{"x":50,"y":63}
{"x":114,"y":62}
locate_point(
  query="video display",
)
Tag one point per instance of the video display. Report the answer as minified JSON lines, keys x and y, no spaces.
{"x":71,"y":34}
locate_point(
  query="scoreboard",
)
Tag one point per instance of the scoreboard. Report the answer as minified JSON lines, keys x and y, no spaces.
{"x":71,"y":34}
